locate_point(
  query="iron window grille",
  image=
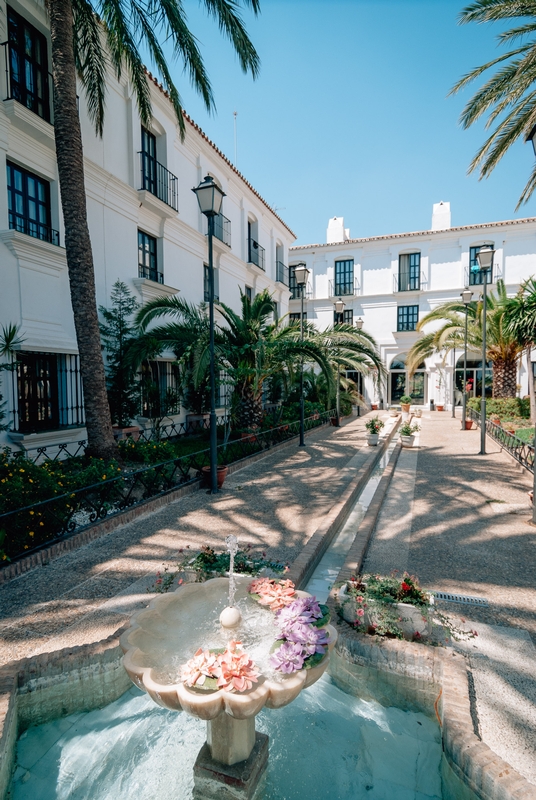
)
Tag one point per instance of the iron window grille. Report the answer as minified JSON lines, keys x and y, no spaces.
{"x":222,"y":228}
{"x":159,"y":389}
{"x":476,"y":275}
{"x":295,"y":289}
{"x":28,"y":198}
{"x":409,"y":272}
{"x":408,"y":316}
{"x":147,"y":258}
{"x":281,"y":273}
{"x":47,"y":392}
{"x":26,"y":65}
{"x":155,"y":178}
{"x":249,"y":293}
{"x":296,"y":316}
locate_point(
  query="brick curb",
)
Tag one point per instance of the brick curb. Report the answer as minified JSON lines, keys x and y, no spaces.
{"x":98,"y":529}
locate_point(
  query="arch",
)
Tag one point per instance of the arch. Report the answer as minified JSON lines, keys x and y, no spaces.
{"x":400,"y":383}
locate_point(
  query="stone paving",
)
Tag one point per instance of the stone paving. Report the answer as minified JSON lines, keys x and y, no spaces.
{"x":275,"y":504}
{"x":459,"y":521}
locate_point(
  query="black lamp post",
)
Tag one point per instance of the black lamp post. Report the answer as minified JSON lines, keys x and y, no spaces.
{"x":210,"y":196}
{"x":340,"y":305}
{"x":485,"y":263}
{"x":301,"y":274}
{"x":532,"y":137}
{"x":466,"y":296}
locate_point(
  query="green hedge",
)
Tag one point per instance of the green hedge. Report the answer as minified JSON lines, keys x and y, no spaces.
{"x":504,"y":407}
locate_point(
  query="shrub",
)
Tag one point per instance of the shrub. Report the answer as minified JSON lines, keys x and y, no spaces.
{"x":406,"y":399}
{"x":407,"y":429}
{"x":503,"y":407}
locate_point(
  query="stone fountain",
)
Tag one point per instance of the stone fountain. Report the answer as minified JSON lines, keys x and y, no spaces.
{"x":207,"y":615}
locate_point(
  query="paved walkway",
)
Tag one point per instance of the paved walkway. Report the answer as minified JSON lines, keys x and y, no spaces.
{"x":458,"y":521}
{"x":275,"y":504}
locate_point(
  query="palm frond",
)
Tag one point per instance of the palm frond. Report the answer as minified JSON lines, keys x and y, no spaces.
{"x":90,"y":60}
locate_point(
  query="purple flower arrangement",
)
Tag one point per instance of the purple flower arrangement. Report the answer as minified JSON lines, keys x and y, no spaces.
{"x":302,"y":641}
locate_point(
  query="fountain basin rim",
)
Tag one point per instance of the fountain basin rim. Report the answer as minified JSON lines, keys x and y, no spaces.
{"x":208,"y":705}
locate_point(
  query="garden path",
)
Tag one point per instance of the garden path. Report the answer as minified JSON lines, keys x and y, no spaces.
{"x":459,"y":521}
{"x":275,"y":504}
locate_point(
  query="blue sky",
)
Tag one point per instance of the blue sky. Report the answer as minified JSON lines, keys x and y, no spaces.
{"x":350,"y":115}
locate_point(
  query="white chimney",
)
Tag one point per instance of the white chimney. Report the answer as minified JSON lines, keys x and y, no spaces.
{"x":336,"y":231}
{"x":441,"y":216}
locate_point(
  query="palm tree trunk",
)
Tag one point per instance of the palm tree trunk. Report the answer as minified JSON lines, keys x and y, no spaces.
{"x":532,"y":393}
{"x":70,"y":160}
{"x":505,"y":378}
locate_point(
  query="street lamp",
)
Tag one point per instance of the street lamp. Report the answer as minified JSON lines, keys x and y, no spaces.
{"x":340,"y":305}
{"x":210,"y":196}
{"x":359,"y":324}
{"x":485,"y":262}
{"x":466,"y":296}
{"x":301,"y":275}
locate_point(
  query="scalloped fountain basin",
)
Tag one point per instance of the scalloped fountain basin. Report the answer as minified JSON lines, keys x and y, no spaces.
{"x":166,"y":634}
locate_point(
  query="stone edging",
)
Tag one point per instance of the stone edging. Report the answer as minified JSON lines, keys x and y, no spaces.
{"x":102,"y":527}
{"x":412,"y":675}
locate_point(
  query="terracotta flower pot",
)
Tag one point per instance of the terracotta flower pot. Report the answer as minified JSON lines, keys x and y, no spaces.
{"x":405,"y":407}
{"x":468,"y":424}
{"x":374,"y":406}
{"x":221,"y":475}
{"x":440,"y":408}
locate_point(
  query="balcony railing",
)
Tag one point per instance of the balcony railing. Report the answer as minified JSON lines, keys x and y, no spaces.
{"x":158,"y":180}
{"x":150,"y":274}
{"x":20,"y":223}
{"x":295,"y":292}
{"x":340,"y":288}
{"x":408,"y":282}
{"x":281,"y":272}
{"x":222,"y":229}
{"x":256,"y":254}
{"x":476,"y":277}
{"x":42,"y":104}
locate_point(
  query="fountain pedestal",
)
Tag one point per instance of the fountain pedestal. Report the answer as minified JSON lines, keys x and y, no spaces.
{"x":230,"y":740}
{"x":216,"y":781}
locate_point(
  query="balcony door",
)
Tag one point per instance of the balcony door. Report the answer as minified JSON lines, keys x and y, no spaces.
{"x":344,"y":277}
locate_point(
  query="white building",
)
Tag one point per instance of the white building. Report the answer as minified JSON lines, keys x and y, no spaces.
{"x":144,"y":221}
{"x":392,"y":281}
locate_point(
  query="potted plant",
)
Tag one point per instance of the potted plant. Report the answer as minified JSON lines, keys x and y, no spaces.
{"x":407,"y":432}
{"x":405,"y":402}
{"x":418,"y":412}
{"x":221,"y":474}
{"x":393,"y":411}
{"x":373,"y":427}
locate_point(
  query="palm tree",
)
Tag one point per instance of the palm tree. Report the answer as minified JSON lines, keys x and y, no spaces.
{"x":520,"y":319}
{"x":88,"y":37}
{"x":503,"y":347}
{"x":249,"y":348}
{"x":509,"y":95}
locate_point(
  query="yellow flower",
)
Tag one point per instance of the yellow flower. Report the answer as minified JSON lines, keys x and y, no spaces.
{"x":31,"y":533}
{"x":25,"y":546}
{"x":42,"y":524}
{"x":21,"y":470}
{"x":32,"y":512}
{"x":104,"y":477}
{"x":31,"y":481}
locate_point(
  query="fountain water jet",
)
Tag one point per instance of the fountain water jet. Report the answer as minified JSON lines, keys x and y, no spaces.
{"x":231,"y":617}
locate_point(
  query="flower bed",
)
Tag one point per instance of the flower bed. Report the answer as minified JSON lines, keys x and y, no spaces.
{"x":392,"y":606}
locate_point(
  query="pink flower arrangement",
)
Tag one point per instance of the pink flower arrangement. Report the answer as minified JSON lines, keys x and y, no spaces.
{"x":233,"y":669}
{"x":273,"y":593}
{"x":238,"y":671}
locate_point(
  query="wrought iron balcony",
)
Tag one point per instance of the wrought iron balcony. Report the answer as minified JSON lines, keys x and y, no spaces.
{"x":281,"y":272}
{"x":295,"y":292}
{"x":150,"y":274}
{"x":256,"y":254}
{"x":476,"y":277}
{"x":32,"y":94}
{"x":409,"y":282}
{"x":158,"y":180}
{"x":20,"y":223}
{"x":343,"y":288}
{"x":222,"y":229}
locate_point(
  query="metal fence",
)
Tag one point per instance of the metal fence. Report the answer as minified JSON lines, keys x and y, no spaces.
{"x":520,"y":450}
{"x":36,"y":526}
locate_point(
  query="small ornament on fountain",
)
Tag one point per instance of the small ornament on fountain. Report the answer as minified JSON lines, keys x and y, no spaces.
{"x":231,"y":617}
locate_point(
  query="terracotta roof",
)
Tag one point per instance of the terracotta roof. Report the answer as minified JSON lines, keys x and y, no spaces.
{"x":199,"y":130}
{"x":418,"y":233}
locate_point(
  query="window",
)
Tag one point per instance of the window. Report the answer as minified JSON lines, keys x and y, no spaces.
{"x":408,"y":316}
{"x":28,"y":64}
{"x":347,"y":317}
{"x":344,"y":277}
{"x":295,"y":291}
{"x":159,"y":389}
{"x":206,"y":284}
{"x":276,"y":310}
{"x":48,"y":392}
{"x":155,"y":178}
{"x":147,"y":258}
{"x":249,"y":293}
{"x":28,"y":199}
{"x":476,"y":275}
{"x":409,"y":272}
{"x":295,"y":317}
{"x":400,"y":383}
{"x":255,"y":251}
